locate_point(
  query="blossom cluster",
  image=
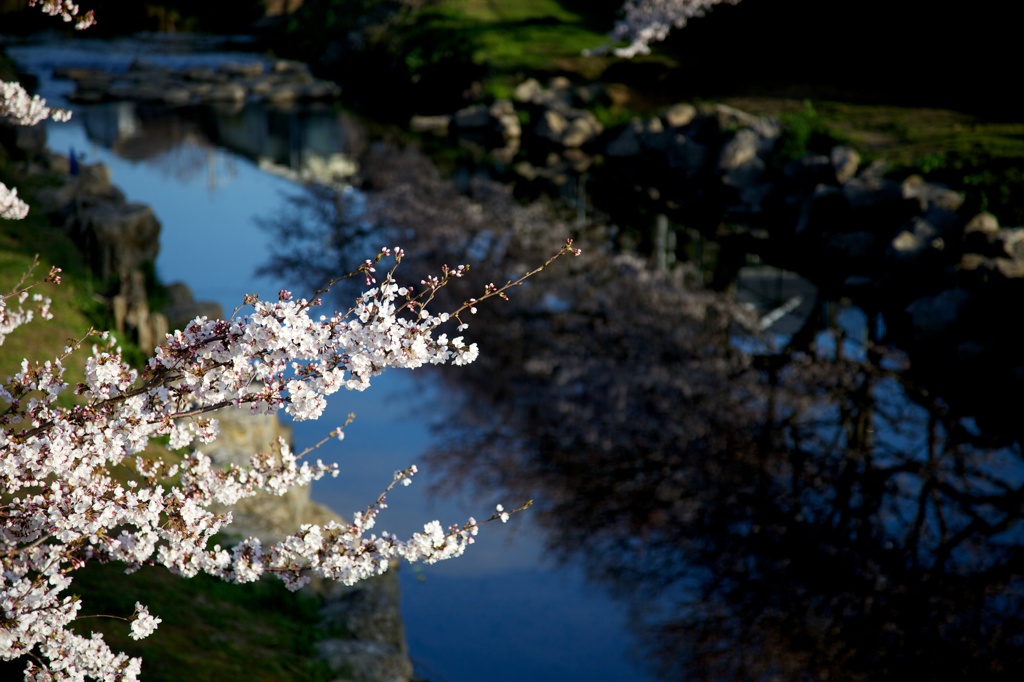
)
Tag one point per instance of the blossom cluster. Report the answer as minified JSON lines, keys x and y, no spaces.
{"x":650,"y":21}
{"x":62,"y":509}
{"x":66,"y":10}
{"x":20,"y":108}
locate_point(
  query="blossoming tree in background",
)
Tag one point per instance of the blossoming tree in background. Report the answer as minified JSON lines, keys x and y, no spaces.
{"x":650,"y":21}
{"x":61,"y":509}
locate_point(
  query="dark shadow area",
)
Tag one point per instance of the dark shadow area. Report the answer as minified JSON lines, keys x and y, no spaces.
{"x":906,"y":52}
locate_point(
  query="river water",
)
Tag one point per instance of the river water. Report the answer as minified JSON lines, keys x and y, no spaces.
{"x":706,"y":507}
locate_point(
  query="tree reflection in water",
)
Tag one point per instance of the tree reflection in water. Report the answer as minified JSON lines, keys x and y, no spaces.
{"x":790,"y":514}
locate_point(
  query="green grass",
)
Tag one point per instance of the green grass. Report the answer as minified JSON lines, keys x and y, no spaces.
{"x":211,"y":631}
{"x":74,"y":306}
{"x":513,"y":37}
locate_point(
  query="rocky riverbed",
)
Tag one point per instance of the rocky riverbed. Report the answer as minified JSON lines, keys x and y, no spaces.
{"x":279,"y":82}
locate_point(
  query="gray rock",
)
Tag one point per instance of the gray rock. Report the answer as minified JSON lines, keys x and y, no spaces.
{"x":731,"y":118}
{"x":290,"y":68}
{"x":983,"y":223}
{"x":125,"y":236}
{"x":236,"y":69}
{"x":559,"y":92}
{"x":929,"y":194}
{"x":582,"y":128}
{"x":741,"y":167}
{"x":437,"y":125}
{"x":679,"y":115}
{"x":916,"y":239}
{"x":570,"y":128}
{"x":182,"y":307}
{"x":769,"y":130}
{"x":845,"y":162}
{"x":1012,"y":239}
{"x":578,"y":160}
{"x":219,"y":92}
{"x":283,"y":93}
{"x":476,"y":116}
{"x":1009,"y":268}
{"x":739,"y":151}
{"x":153,"y":91}
{"x":503,"y":113}
{"x":552,"y":125}
{"x":981,"y":236}
{"x":529,"y":90}
{"x":526,"y":170}
{"x":1001,"y":268}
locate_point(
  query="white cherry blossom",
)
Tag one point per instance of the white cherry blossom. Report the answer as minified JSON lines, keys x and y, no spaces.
{"x":61,"y":510}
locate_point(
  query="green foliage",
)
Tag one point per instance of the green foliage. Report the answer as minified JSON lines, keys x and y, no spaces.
{"x":993,"y":185}
{"x":804,"y":132}
{"x":610,"y":115}
{"x":516,"y":35}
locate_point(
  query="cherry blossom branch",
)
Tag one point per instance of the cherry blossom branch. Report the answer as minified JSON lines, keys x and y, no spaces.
{"x":62,"y":509}
{"x":645,"y":22}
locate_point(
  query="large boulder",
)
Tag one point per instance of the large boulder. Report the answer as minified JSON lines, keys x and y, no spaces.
{"x":571,"y":128}
{"x":122,"y":237}
{"x":844,"y":162}
{"x":679,"y":115}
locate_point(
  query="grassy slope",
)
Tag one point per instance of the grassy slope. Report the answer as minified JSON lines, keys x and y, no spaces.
{"x":519,"y":36}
